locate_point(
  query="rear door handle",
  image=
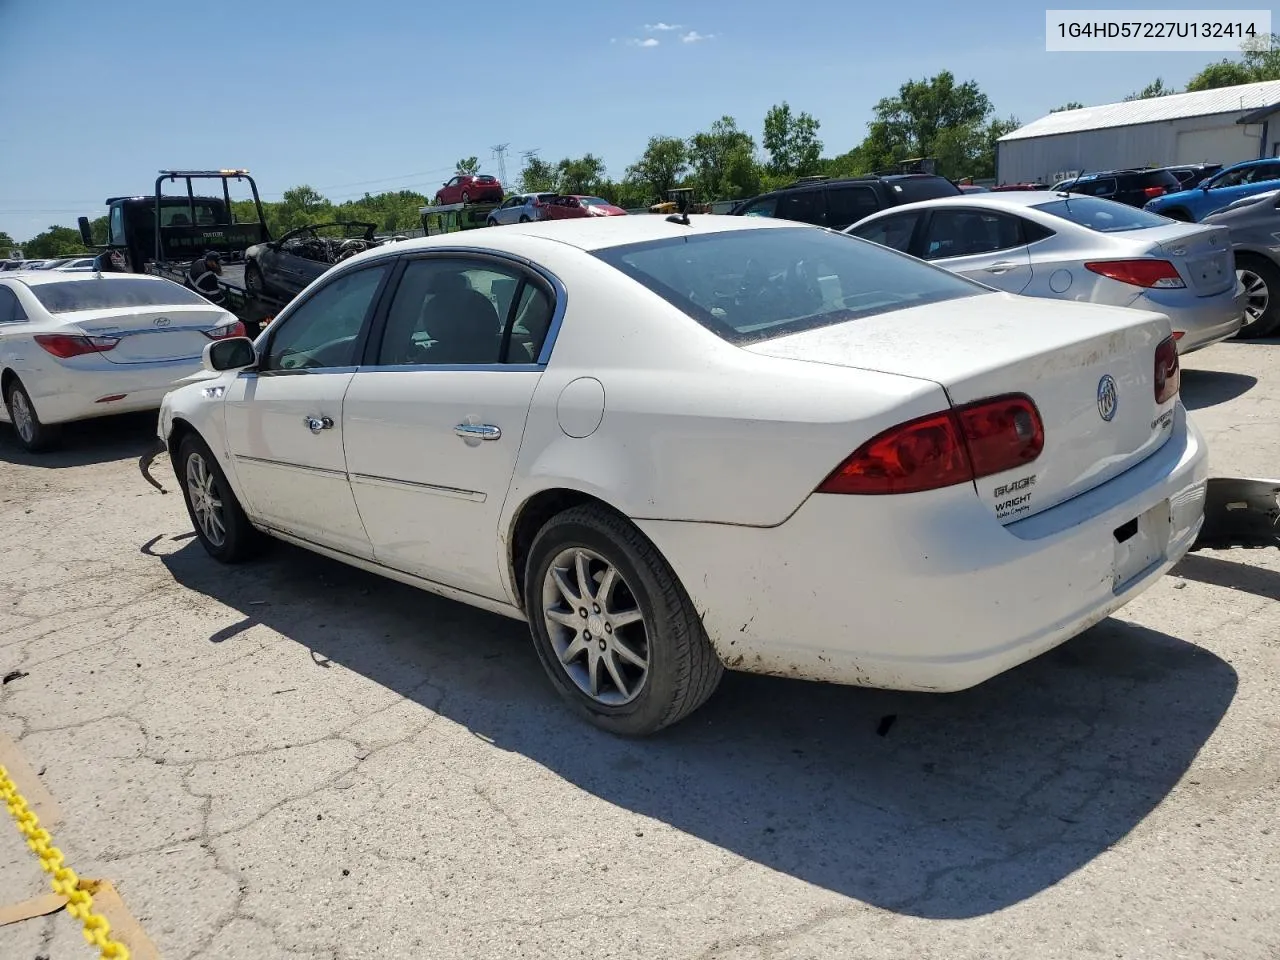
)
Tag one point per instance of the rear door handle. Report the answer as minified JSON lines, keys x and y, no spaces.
{"x":1001,"y":266}
{"x":477,"y":431}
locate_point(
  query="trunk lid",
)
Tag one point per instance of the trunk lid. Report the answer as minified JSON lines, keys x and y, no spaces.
{"x":154,"y":334}
{"x":1079,"y":363}
{"x":1201,"y":253}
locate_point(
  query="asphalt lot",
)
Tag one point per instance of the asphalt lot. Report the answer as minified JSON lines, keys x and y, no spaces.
{"x":295,"y":759}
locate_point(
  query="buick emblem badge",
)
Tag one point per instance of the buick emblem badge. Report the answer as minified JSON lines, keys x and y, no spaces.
{"x":1108,"y":397}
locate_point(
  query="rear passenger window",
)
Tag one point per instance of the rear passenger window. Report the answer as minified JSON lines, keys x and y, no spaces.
{"x":1032,"y":231}
{"x":846,"y":205}
{"x":1096,"y":188}
{"x":895,"y":231}
{"x":968,"y":233}
{"x":10,"y":310}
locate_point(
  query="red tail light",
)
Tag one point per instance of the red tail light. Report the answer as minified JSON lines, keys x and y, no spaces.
{"x":226,"y":330}
{"x":1152,"y":192}
{"x":944,"y":449}
{"x":1140,"y":273}
{"x":64,"y":346}
{"x":1168,"y":370}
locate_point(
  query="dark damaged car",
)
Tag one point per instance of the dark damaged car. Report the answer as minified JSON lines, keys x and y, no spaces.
{"x":283,"y":268}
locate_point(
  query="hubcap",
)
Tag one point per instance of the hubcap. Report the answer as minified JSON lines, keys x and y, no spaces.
{"x":23,"y":421}
{"x":596,"y":627}
{"x":206,"y":500}
{"x":1257,"y":296}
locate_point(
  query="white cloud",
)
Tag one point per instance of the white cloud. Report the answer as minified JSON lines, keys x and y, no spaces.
{"x":693,"y":36}
{"x":647,"y":42}
{"x":661,"y":26}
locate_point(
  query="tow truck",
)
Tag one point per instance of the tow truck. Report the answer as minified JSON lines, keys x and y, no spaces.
{"x":161,"y":235}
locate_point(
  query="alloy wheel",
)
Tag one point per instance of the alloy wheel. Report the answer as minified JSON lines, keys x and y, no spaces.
{"x":23,"y":420}
{"x":596,"y":627}
{"x":1257,"y":296}
{"x":206,"y":500}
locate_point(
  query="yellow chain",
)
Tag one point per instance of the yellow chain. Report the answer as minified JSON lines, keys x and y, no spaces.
{"x":97,"y":931}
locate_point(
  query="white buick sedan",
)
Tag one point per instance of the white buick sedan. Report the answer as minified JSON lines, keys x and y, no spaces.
{"x":74,"y":346}
{"x":675,"y":447}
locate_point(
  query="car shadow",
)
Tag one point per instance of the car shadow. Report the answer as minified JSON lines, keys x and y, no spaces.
{"x":87,"y":442}
{"x":1208,"y":388}
{"x":1203,"y":568}
{"x":935,"y":806}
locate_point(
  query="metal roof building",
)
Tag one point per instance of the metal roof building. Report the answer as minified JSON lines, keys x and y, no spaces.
{"x":1225,"y":125}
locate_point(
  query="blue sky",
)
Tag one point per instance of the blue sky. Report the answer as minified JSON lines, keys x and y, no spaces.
{"x":385,"y":94}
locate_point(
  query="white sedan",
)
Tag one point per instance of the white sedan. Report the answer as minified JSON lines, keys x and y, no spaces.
{"x":80,"y":345}
{"x":678,"y":447}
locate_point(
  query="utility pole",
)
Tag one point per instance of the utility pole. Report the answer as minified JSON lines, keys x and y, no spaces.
{"x":501,"y":151}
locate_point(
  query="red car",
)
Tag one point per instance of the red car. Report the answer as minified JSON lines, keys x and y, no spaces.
{"x":470,"y":188}
{"x":571,"y":207}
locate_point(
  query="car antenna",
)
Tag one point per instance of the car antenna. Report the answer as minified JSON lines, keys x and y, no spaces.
{"x":682,"y":202}
{"x":1066,"y":191}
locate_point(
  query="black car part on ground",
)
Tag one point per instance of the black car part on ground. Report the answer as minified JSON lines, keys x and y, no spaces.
{"x":1240,"y":512}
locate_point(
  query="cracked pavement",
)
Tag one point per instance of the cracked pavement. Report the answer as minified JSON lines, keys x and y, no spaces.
{"x":294,"y":759}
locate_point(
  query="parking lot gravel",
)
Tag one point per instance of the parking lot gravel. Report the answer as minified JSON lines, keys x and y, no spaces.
{"x":295,"y":759}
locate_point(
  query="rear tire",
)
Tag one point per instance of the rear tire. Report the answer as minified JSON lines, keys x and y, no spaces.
{"x":254,"y":283}
{"x":648,"y":658}
{"x":220,"y":522}
{"x":1261,"y":279}
{"x":34,"y":436}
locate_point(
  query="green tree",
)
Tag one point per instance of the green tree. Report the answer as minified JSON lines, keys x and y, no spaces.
{"x":7,"y":243}
{"x":1155,"y":88}
{"x":724,"y":162}
{"x":584,"y":175}
{"x":538,"y":176}
{"x":791,"y":140}
{"x":909,"y":124}
{"x":1256,"y":64}
{"x":664,"y":161}
{"x":469,"y":165}
{"x":1071,"y":105}
{"x":54,"y":242}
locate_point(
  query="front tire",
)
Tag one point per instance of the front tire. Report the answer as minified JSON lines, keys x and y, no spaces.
{"x":34,"y":436}
{"x":1261,"y":279}
{"x":439,"y":200}
{"x":524,"y":219}
{"x":615,"y":630}
{"x":254,"y":283}
{"x":220,"y":522}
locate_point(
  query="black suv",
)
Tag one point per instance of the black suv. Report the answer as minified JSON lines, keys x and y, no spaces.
{"x":841,"y":203}
{"x":1132,"y":187}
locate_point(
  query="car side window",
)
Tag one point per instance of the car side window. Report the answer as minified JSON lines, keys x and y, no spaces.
{"x":10,"y":309}
{"x":802,"y":206}
{"x":1098,"y":188}
{"x":765,"y":207}
{"x":462,"y":311}
{"x":895,"y":231}
{"x":1232,"y":178}
{"x":846,"y":205}
{"x":967,"y":233}
{"x":324,"y":330}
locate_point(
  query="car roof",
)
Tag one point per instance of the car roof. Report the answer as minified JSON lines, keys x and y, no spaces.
{"x":587,"y":233}
{"x":1010,"y":199}
{"x":37,"y":277}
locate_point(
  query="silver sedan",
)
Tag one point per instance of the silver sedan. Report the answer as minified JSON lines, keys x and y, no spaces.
{"x":1070,"y":247}
{"x":1254,"y":223}
{"x":521,"y":208}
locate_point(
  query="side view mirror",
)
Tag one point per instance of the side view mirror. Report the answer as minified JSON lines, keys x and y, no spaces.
{"x":86,"y":231}
{"x":233,"y":353}
{"x":1205,"y":186}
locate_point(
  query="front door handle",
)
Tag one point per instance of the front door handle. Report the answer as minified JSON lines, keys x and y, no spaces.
{"x":477,"y":431}
{"x":1001,"y":266}
{"x":316,"y":424}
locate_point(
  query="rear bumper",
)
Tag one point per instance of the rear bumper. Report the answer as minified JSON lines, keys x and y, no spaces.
{"x":62,"y":393}
{"x":928,"y":591}
{"x":1202,"y":321}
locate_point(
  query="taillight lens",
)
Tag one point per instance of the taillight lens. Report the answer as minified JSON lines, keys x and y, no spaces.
{"x":1141,"y":273}
{"x":226,"y":330}
{"x":64,"y":346}
{"x":1168,"y":377}
{"x":944,"y":449}
{"x":1153,"y":192}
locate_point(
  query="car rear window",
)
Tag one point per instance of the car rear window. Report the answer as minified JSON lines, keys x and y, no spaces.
{"x":1157,"y":178}
{"x":752,"y":285}
{"x":924,"y":188}
{"x":1104,"y":216}
{"x":72,"y":296}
